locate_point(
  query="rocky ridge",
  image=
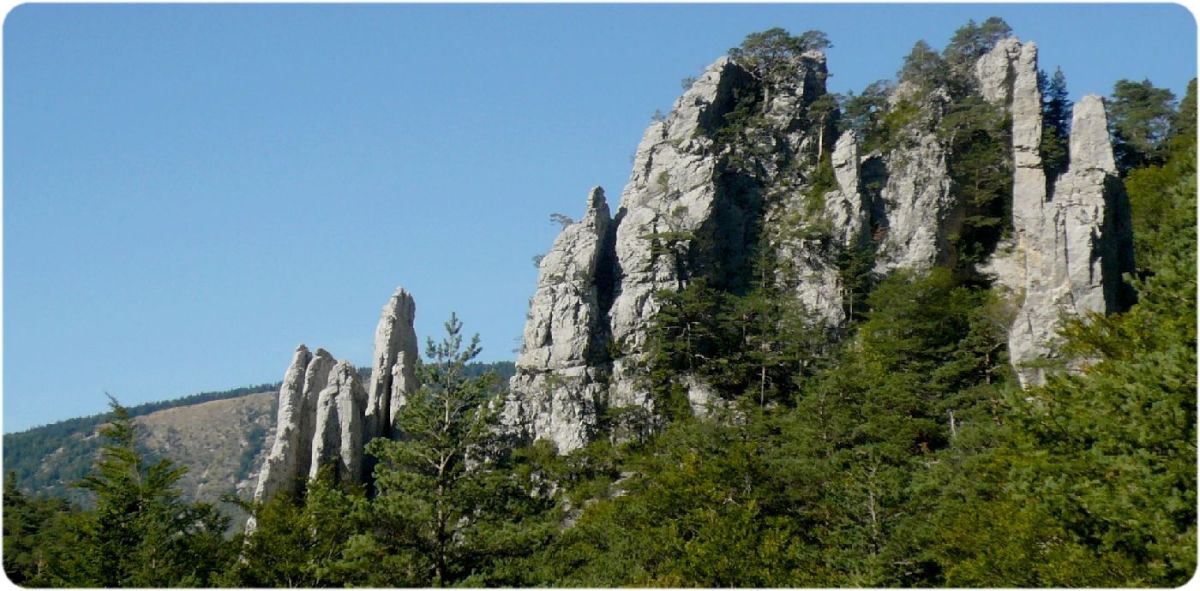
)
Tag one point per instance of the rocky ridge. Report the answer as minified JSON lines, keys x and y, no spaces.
{"x":707,"y":184}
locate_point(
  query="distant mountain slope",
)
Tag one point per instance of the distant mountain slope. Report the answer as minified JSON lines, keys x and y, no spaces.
{"x":47,"y":459}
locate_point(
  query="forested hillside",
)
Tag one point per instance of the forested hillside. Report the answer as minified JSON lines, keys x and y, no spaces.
{"x":897,"y":446}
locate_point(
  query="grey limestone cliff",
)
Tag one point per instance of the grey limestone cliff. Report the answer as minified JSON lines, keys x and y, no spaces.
{"x":694,"y":208}
{"x":558,"y":379}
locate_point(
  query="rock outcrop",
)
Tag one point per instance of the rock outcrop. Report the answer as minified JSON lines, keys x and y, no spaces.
{"x":709,"y":185}
{"x":558,"y":374}
{"x":339,"y":437}
{"x":694,"y":208}
{"x":291,"y":454}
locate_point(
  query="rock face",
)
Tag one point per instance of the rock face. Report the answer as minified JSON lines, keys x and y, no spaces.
{"x":695,"y":206}
{"x":326,"y":416}
{"x":564,"y":336}
{"x":291,"y":454}
{"x":1069,"y":245}
{"x":919,"y":204}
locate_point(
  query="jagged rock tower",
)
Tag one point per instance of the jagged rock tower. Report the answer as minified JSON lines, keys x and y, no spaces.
{"x":709,"y":184}
{"x":326,"y":416}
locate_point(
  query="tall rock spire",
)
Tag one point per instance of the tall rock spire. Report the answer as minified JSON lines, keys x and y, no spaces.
{"x":1069,"y":245}
{"x":280,"y":468}
{"x":394,"y":366}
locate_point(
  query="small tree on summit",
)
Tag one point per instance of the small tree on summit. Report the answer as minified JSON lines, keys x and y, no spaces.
{"x":770,"y":54}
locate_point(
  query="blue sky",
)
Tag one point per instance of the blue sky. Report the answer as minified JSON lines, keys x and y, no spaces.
{"x":190,"y":191}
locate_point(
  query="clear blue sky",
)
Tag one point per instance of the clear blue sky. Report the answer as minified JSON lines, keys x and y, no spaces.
{"x":191,"y":191}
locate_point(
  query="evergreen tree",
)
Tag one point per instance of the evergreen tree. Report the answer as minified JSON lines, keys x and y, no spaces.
{"x":37,"y":537}
{"x":971,"y":42}
{"x":447,"y":503}
{"x":140,"y":533}
{"x":1140,"y":117}
{"x":923,"y":67}
{"x":1056,"y":123}
{"x":301,"y":542}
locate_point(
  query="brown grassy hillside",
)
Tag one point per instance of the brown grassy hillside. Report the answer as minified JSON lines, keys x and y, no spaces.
{"x":221,"y":442}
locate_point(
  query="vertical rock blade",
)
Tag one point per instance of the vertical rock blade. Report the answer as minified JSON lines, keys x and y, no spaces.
{"x":1069,"y":246}
{"x":279,"y":469}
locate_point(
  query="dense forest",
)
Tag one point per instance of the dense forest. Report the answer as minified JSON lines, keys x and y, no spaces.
{"x":899,"y":451}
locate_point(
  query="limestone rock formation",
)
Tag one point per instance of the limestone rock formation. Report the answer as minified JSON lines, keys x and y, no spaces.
{"x":693,"y":208}
{"x":291,"y":452}
{"x":710,"y":184}
{"x":394,"y":366}
{"x":670,"y":197}
{"x":919,"y":204}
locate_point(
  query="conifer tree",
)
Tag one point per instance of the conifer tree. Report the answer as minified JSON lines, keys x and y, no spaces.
{"x":140,"y":533}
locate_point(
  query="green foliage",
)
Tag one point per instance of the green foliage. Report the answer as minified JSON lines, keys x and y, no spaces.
{"x":971,"y":42}
{"x":977,"y":136}
{"x":1159,"y":194}
{"x":1056,"y":123}
{"x":864,"y":113}
{"x":769,"y":52}
{"x":302,"y":542}
{"x":445,"y":505}
{"x":1140,"y":118}
{"x":38,"y":532}
{"x":753,"y":345}
{"x":923,"y":67}
{"x":139,"y":533}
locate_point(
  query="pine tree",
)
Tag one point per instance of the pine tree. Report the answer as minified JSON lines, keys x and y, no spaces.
{"x":1140,"y":117}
